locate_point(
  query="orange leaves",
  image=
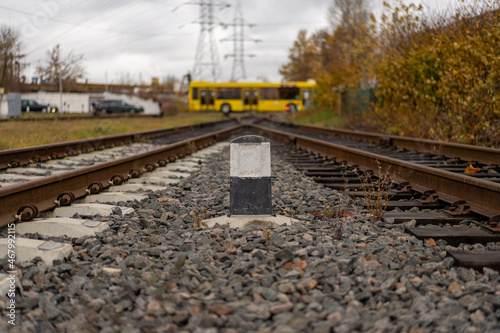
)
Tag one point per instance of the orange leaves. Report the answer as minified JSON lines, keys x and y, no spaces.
{"x":454,"y":286}
{"x":300,"y":265}
{"x":470,"y":169}
{"x":440,"y":79}
{"x":436,"y":79}
{"x":301,"y":58}
{"x":430,"y":241}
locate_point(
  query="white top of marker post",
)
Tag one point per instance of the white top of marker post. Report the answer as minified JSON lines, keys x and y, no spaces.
{"x":250,"y":157}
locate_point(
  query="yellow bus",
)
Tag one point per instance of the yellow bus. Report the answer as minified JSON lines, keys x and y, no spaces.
{"x":246,"y":96}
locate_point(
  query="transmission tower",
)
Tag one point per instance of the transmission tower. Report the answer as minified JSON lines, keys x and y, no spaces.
{"x":207,"y":60}
{"x":238,"y":38}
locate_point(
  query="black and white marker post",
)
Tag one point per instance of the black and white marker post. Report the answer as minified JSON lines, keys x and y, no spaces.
{"x":250,"y":187}
{"x":250,"y":172}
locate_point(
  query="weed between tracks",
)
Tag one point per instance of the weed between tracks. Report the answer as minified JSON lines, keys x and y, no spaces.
{"x":338,"y":212}
{"x":267,"y":234}
{"x":342,"y":213}
{"x":229,"y":245}
{"x":375,"y":196}
{"x":376,"y":191}
{"x":198,"y":217}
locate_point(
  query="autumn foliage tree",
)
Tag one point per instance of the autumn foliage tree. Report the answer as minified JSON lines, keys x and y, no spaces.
{"x":436,"y":75}
{"x":302,"y":57}
{"x":334,"y":57}
{"x":439,"y":79}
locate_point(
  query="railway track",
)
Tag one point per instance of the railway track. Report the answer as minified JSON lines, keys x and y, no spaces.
{"x":420,"y":181}
{"x":469,"y":237}
{"x":23,"y":201}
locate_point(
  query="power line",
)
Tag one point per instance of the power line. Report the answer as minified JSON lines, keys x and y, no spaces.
{"x":79,"y":24}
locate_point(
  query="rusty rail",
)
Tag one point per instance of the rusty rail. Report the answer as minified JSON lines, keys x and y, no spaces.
{"x":24,"y":156}
{"x":483,"y":196}
{"x":26,"y":200}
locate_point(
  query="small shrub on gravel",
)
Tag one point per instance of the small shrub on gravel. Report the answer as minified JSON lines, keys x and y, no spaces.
{"x":376,"y":191}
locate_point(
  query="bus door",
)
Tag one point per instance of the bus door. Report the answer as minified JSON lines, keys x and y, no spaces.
{"x":250,"y":99}
{"x":207,"y":99}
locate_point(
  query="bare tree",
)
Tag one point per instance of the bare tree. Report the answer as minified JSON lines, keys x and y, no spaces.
{"x":10,"y":58}
{"x":68,"y":69}
{"x":348,"y":13}
{"x":170,"y":81}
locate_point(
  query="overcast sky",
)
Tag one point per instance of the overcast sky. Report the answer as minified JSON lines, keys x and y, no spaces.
{"x":140,"y":39}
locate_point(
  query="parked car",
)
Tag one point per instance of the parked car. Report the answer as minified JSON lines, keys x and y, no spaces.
{"x":115,"y":106}
{"x":33,"y":105}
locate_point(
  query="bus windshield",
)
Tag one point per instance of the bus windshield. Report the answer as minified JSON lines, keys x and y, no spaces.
{"x":289,"y":93}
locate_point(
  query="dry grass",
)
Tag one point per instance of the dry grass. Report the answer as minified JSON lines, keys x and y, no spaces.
{"x":318,"y":117}
{"x":18,"y":134}
{"x":198,"y":217}
{"x":341,"y":213}
{"x":267,"y":234}
{"x":376,"y":191}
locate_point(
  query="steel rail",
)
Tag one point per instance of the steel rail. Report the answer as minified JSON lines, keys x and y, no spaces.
{"x":26,"y":200}
{"x":482,"y":196}
{"x":483,"y":155}
{"x":24,"y":156}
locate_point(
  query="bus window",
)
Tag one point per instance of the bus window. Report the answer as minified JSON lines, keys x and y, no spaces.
{"x":255,"y":96}
{"x":194,"y":93}
{"x":269,"y":93}
{"x":211,"y":97}
{"x":203,"y":96}
{"x":228,"y":93}
{"x":289,"y":93}
{"x":246,"y":100}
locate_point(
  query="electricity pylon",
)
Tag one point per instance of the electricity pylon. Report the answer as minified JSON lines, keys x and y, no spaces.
{"x":207,"y":60}
{"x":238,"y":38}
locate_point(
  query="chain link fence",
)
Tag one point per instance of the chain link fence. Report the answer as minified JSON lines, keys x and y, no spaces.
{"x":355,"y":101}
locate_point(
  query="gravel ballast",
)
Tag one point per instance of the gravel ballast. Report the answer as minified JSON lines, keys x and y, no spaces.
{"x":160,"y":270}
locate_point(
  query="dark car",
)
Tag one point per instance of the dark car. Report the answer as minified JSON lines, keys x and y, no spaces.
{"x":115,"y":106}
{"x":33,"y":105}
